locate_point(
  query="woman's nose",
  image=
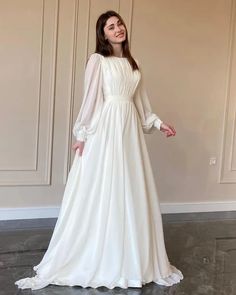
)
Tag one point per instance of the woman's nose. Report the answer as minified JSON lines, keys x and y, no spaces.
{"x":117,"y":29}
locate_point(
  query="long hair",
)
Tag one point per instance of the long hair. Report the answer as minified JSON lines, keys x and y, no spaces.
{"x":103,"y":47}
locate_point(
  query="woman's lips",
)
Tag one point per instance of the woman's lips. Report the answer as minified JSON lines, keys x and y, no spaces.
{"x":120,"y":35}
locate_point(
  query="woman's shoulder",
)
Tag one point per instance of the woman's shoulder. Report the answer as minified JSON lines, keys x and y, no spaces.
{"x":96,"y":56}
{"x":94,"y":60}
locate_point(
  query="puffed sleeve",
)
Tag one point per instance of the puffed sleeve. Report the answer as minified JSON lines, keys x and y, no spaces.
{"x":149,"y":120}
{"x":92,"y":102}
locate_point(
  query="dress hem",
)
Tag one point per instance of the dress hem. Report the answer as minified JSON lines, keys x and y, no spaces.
{"x":36,"y":282}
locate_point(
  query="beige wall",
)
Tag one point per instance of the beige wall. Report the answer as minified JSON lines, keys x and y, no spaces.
{"x":187,"y":51}
{"x":189,"y":61}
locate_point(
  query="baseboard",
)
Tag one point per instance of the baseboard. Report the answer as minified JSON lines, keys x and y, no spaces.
{"x":166,"y":208}
{"x":28,"y":213}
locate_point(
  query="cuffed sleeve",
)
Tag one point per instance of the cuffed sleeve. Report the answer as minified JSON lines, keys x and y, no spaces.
{"x":92,"y":102}
{"x":149,"y":120}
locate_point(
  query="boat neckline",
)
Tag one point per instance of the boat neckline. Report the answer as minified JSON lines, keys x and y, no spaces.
{"x":113,"y":56}
{"x":116,"y":56}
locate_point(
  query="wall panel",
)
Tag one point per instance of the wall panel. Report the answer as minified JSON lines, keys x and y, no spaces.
{"x":228,"y":168}
{"x":27,"y":81}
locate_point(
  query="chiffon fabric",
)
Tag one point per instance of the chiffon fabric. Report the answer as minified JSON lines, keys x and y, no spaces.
{"x":109,"y":229}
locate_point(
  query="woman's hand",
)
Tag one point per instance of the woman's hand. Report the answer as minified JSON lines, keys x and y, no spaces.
{"x":78,"y":145}
{"x":168,"y":130}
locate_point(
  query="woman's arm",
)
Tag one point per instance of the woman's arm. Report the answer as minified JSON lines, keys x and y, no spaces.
{"x":149,"y":120}
{"x":92,"y":102}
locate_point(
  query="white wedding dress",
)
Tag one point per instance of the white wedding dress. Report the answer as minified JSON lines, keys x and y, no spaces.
{"x":109,"y":230}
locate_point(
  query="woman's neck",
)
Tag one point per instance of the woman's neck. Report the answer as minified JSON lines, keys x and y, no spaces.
{"x":117,"y":50}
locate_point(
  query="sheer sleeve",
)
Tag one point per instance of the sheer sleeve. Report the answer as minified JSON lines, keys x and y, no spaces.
{"x":149,"y":120}
{"x":92,"y":102}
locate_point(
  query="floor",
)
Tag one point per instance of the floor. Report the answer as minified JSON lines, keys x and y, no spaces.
{"x":205,"y":251}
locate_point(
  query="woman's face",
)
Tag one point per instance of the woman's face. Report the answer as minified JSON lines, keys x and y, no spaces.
{"x":114,"y":30}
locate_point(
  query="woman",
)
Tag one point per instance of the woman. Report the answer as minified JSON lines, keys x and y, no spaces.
{"x":109,"y":230}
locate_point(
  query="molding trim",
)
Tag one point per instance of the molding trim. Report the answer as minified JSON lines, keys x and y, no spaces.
{"x":80,"y":52}
{"x":41,"y":172}
{"x":166,"y":208}
{"x":227,"y":171}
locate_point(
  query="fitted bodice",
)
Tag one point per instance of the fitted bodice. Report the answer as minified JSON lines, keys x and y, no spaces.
{"x":119,"y":79}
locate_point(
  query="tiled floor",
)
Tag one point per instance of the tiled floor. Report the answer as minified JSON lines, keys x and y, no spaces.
{"x":205,"y":251}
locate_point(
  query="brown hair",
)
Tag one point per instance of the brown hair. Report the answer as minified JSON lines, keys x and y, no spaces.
{"x":103,"y":47}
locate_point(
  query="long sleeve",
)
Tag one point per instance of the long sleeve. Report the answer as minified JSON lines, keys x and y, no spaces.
{"x":149,"y":120}
{"x":92,"y":102}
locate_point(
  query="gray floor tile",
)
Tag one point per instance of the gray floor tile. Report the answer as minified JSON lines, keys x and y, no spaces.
{"x":205,"y":251}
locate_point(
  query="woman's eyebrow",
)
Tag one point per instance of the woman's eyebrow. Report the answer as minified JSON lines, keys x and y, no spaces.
{"x":113,"y":23}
